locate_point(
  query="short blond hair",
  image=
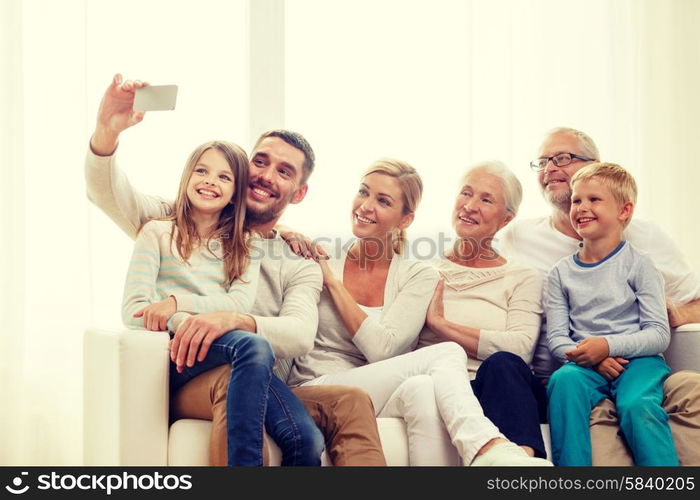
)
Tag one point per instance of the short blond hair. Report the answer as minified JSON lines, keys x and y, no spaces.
{"x":618,"y":180}
{"x":411,"y":188}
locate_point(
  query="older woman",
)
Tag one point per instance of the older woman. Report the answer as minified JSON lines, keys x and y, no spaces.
{"x":491,"y":307}
{"x":371,"y":312}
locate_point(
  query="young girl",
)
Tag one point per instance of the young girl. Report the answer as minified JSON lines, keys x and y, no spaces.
{"x":199,"y":260}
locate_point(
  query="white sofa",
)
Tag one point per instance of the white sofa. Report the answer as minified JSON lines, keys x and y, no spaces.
{"x":126,"y":402}
{"x":126,"y":407}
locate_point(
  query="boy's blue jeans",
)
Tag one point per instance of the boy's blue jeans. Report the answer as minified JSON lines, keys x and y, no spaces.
{"x":257,"y":398}
{"x":574,"y":390}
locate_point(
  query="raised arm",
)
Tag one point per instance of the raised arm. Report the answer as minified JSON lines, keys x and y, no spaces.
{"x":107,"y":187}
{"x":115,"y":114}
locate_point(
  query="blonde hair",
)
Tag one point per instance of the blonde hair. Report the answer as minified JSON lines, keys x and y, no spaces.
{"x":230,"y":227}
{"x":618,"y":180}
{"x":411,"y":186}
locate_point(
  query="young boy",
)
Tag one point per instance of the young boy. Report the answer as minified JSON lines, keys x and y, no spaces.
{"x":607,"y":321}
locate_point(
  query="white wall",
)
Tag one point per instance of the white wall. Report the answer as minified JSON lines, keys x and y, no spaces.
{"x":447,"y":83}
{"x":63,"y":262}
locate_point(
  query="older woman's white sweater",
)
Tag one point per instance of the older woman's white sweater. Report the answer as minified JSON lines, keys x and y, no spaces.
{"x":504,"y":302}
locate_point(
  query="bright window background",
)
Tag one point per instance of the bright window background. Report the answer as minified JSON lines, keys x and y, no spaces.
{"x":448,"y":83}
{"x":440,"y":84}
{"x":202,"y":49}
{"x":66,"y":260}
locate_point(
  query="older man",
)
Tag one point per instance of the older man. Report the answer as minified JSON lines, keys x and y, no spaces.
{"x":542,"y":241}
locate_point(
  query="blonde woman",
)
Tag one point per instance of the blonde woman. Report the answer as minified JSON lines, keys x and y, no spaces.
{"x":371,"y":312}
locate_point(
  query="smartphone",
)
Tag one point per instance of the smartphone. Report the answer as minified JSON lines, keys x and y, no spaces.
{"x":155,"y":98}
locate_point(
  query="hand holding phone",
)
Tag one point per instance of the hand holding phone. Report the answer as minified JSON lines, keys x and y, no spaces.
{"x":116,"y":114}
{"x":155,"y":98}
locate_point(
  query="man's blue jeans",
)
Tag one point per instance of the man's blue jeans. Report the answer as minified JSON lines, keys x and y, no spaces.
{"x":257,"y":398}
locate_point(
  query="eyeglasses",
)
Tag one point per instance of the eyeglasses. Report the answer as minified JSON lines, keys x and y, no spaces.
{"x":560,"y":160}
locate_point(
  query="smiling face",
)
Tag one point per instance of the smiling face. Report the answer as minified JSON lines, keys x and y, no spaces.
{"x":378,"y":207}
{"x":595,"y":213}
{"x":211,"y":184}
{"x":555,"y":181}
{"x":275,"y":180}
{"x":480,"y":209}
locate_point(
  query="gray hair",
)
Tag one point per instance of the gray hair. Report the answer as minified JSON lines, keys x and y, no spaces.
{"x":512,"y":188}
{"x":585,"y":143}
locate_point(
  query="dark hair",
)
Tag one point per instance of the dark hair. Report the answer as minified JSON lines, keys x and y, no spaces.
{"x":298,"y":141}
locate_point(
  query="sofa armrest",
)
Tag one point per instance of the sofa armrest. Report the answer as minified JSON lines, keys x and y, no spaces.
{"x":125,"y":389}
{"x":684,"y":351}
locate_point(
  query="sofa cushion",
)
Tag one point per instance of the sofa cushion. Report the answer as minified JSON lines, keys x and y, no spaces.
{"x":188,"y":443}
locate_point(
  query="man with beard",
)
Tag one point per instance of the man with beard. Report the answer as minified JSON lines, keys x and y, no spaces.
{"x":541,"y":242}
{"x":285,"y":311}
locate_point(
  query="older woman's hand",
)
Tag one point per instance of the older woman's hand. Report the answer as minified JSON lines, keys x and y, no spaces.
{"x":435,"y":317}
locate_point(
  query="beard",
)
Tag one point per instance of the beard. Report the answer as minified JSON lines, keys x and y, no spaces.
{"x":274,"y":210}
{"x":560,"y":200}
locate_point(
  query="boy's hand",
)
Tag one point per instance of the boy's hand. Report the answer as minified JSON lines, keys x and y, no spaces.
{"x":611,"y":368}
{"x":589,"y":351}
{"x":156,"y":315}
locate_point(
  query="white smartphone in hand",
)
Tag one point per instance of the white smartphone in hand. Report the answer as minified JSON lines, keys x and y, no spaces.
{"x":155,"y":98}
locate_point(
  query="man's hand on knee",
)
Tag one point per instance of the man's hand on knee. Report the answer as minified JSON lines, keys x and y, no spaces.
{"x":196,"y":334}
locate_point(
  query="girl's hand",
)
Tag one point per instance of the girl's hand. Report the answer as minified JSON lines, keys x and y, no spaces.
{"x":302,"y":245}
{"x":611,"y":368}
{"x":436,"y":309}
{"x":156,"y":315}
{"x":328,"y":276}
